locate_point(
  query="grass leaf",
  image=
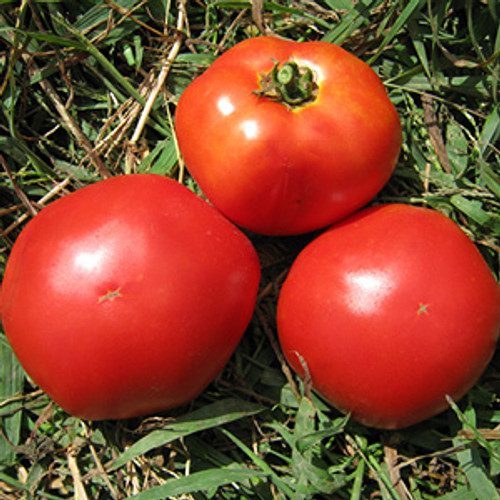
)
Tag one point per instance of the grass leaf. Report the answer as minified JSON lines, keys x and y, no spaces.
{"x":199,"y":481}
{"x":11,"y":383}
{"x":357,"y":16}
{"x":411,"y":9}
{"x":491,"y":131}
{"x":216,"y":414}
{"x":277,"y":480}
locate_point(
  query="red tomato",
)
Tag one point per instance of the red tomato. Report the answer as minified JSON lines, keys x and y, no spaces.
{"x":390,"y":310}
{"x":128,"y":296}
{"x":286,"y":168}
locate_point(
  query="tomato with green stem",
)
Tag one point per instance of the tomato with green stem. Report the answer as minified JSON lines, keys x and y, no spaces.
{"x":127,"y":297}
{"x":287,"y":137}
{"x":390,"y":311}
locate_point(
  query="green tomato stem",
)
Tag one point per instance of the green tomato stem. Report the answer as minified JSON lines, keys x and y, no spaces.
{"x":289,"y":83}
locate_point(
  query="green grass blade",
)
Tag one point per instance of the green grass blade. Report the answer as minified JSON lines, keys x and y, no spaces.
{"x":471,"y":462}
{"x":357,"y":486}
{"x":307,"y":440}
{"x":11,"y":383}
{"x":490,"y":177}
{"x":207,"y":417}
{"x":471,"y":208}
{"x":357,"y":16}
{"x":161,"y":160}
{"x":302,"y":458}
{"x":462,"y":493}
{"x":372,"y":461}
{"x":46,"y":37}
{"x":468,"y":421}
{"x":310,"y":478}
{"x":199,"y":481}
{"x":490,"y":132}
{"x":262,"y":464}
{"x":107,"y":65}
{"x":411,"y":9}
{"x":481,"y":485}
{"x":24,"y":488}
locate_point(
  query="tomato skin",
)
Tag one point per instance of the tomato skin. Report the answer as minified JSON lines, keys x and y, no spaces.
{"x":391,"y":310}
{"x":128,"y":296}
{"x":276,"y":170}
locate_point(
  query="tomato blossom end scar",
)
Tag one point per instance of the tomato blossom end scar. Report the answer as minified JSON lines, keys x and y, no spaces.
{"x":110,"y":295}
{"x":422,"y":309}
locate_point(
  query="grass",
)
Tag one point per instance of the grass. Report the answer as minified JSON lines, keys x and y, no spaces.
{"x":89,"y":89}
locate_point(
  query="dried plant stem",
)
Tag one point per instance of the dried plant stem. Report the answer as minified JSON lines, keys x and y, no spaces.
{"x":257,"y":6}
{"x":20,"y":194}
{"x":73,"y":128}
{"x":162,"y":76}
{"x":80,"y":493}
{"x":68,"y":122}
{"x":126,"y":114}
{"x":436,"y":138}
{"x":391,"y":460}
{"x":100,"y":467}
{"x":40,"y":203}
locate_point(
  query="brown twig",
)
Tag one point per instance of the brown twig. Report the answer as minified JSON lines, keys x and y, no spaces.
{"x":102,"y":472}
{"x":162,"y":76}
{"x":391,"y":459}
{"x":20,"y":194}
{"x":431,"y":122}
{"x":41,"y":202}
{"x":80,"y":493}
{"x":67,"y":120}
{"x":70,"y":124}
{"x":257,"y":14}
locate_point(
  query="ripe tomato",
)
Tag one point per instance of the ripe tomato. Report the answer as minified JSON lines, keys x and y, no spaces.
{"x":390,"y":310}
{"x":128,"y":296}
{"x":287,"y":137}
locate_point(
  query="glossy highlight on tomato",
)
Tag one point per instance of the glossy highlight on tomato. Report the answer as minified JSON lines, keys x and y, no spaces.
{"x":287,"y":137}
{"x":390,"y":310}
{"x":128,"y":296}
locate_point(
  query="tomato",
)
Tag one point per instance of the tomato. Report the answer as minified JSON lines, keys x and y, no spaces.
{"x":287,"y":137}
{"x":127,"y":297}
{"x":390,"y":311}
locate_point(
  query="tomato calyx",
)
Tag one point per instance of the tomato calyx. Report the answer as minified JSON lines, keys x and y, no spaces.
{"x":289,"y":84}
